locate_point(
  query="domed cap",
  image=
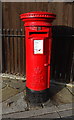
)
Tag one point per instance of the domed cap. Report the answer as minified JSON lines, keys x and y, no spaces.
{"x":38,"y":14}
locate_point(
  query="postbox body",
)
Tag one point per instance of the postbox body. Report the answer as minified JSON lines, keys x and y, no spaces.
{"x":38,"y":49}
{"x":38,"y":33}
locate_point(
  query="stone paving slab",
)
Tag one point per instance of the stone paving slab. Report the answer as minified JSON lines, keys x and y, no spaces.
{"x":61,"y":95}
{"x":14,"y":104}
{"x":0,"y":96}
{"x":64,"y":107}
{"x":3,"y":85}
{"x":0,"y":110}
{"x":0,"y":84}
{"x":51,"y":115}
{"x":40,"y":113}
{"x":71,"y":89}
{"x":19,"y":85}
{"x":7,"y":92}
{"x":66,"y":113}
{"x":28,"y":114}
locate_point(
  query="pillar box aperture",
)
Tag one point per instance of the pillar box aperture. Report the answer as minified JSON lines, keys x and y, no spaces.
{"x":38,"y":34}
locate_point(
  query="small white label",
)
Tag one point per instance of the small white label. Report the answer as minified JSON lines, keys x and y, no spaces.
{"x":38,"y":46}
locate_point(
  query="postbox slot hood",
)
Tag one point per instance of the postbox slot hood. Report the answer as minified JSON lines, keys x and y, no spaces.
{"x":33,"y":33}
{"x":39,"y":34}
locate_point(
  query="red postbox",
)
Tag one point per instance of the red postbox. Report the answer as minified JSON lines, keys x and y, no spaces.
{"x":38,"y":34}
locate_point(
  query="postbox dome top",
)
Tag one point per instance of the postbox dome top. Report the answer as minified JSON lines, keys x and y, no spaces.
{"x":38,"y":14}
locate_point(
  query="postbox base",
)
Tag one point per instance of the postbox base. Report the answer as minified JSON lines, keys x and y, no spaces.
{"x":37,"y":97}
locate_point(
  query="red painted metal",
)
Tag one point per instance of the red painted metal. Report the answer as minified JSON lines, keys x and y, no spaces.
{"x":38,"y":30}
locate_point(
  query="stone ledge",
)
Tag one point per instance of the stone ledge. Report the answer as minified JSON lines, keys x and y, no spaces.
{"x":14,"y":77}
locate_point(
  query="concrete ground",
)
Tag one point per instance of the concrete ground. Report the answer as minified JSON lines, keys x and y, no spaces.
{"x":60,"y":104}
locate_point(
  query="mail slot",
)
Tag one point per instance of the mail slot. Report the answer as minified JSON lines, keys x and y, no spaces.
{"x":38,"y":32}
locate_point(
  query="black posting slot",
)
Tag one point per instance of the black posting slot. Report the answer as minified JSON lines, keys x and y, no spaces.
{"x":37,"y":33}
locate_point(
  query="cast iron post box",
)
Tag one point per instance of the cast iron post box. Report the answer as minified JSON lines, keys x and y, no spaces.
{"x":38,"y":34}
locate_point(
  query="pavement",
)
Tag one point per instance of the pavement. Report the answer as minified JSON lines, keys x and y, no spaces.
{"x":60,"y":105}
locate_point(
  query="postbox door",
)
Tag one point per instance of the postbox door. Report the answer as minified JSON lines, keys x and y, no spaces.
{"x":39,"y":68}
{"x":38,"y":58}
